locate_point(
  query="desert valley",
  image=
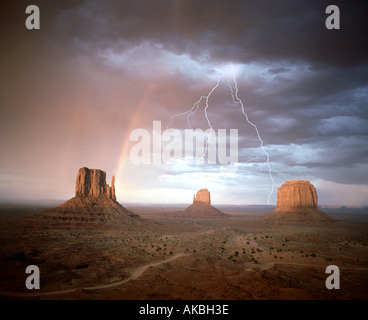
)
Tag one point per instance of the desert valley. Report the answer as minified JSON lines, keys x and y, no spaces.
{"x":91,"y":247}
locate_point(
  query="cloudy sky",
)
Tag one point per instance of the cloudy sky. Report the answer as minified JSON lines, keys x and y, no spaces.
{"x":72,"y":92}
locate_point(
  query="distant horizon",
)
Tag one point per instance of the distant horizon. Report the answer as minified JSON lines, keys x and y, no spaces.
{"x":60,"y":201}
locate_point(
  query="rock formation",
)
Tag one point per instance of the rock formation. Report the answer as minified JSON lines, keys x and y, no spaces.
{"x":94,"y":205}
{"x":297,"y":202}
{"x":296,"y":194}
{"x":202,"y":208}
{"x":203,"y":196}
{"x":92,"y":183}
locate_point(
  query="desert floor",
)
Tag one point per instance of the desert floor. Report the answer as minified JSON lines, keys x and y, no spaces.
{"x":237,"y":258}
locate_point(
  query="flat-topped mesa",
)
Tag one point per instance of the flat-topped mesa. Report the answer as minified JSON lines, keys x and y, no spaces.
{"x":202,"y":196}
{"x":297,"y":203}
{"x":297,"y":194}
{"x":92,"y":183}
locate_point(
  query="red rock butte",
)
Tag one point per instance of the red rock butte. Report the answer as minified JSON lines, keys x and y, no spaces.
{"x":203,"y":196}
{"x":296,"y":194}
{"x":297,"y":201}
{"x":94,"y":205}
{"x":92,"y":183}
{"x":202,"y":208}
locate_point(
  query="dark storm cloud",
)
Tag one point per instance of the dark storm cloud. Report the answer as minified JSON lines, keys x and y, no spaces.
{"x":304,"y":86}
{"x":235,"y":31}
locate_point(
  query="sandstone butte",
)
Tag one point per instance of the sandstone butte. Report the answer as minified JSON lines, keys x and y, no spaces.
{"x":94,"y":205}
{"x":92,"y":183}
{"x":297,"y":202}
{"x":202,"y":208}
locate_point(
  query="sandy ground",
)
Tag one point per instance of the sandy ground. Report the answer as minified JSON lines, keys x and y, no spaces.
{"x":177,"y":258}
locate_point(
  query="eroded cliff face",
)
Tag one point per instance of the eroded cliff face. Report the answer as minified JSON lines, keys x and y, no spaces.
{"x":202,"y":196}
{"x":297,"y":203}
{"x":94,"y":206}
{"x":297,"y":194}
{"x":92,"y":183}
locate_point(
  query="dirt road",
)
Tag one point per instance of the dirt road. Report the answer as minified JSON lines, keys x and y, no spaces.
{"x":136,"y":273}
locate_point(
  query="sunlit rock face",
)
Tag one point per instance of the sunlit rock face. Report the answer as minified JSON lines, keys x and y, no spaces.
{"x":202,"y":208}
{"x":92,"y":183}
{"x":297,"y":202}
{"x":94,"y":206}
{"x":297,"y":194}
{"x":202,"y":196}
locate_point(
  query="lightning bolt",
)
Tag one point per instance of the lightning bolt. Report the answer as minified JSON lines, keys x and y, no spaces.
{"x":208,"y":120}
{"x":195,"y":107}
{"x":193,"y":110}
{"x":236,"y":99}
{"x":244,"y":164}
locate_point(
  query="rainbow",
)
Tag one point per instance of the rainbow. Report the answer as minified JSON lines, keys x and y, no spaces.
{"x":124,"y":148}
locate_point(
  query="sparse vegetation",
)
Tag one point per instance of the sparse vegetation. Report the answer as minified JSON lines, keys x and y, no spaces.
{"x":115,"y":254}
